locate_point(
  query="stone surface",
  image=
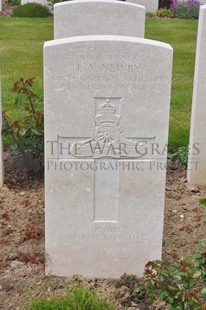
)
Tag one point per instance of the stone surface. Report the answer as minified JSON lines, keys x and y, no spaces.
{"x":197,"y":155}
{"x":106,"y":112}
{"x":150,"y":5}
{"x":1,"y":145}
{"x":0,"y":5}
{"x":94,"y":17}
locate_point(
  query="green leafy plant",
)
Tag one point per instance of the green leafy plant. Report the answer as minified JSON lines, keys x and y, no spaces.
{"x":164,"y":12}
{"x":27,"y":133}
{"x":188,"y":9}
{"x":180,"y":284}
{"x":31,"y":10}
{"x":180,"y":155}
{"x":79,"y":298}
{"x":203,"y":201}
{"x":200,"y":261}
{"x":14,"y":2}
{"x":149,"y":14}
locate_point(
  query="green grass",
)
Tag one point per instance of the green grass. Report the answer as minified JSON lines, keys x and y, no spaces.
{"x":181,"y":34}
{"x":21,"y":44}
{"x":78,"y":299}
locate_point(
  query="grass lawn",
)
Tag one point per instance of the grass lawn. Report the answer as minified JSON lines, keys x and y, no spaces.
{"x":181,"y":34}
{"x":21,"y":52}
{"x":21,"y":43}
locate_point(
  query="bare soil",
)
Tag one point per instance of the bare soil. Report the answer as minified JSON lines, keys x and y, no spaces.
{"x":22,"y":241}
{"x":7,"y":9}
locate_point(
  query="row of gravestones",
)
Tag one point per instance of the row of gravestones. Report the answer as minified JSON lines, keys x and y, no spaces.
{"x":107,"y":98}
{"x":150,"y":5}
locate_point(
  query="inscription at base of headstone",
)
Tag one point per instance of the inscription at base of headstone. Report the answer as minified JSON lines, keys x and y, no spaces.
{"x":197,"y":148}
{"x":106,"y":124}
{"x":95,"y":17}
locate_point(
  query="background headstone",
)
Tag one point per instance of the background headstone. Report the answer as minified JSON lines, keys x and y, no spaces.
{"x":150,"y":5}
{"x":0,"y":5}
{"x":42,"y":2}
{"x":98,"y":17}
{"x":197,"y":148}
{"x":1,"y":145}
{"x":104,"y":206}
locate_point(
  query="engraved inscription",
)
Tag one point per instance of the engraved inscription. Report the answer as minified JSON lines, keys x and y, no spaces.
{"x":102,"y":237}
{"x":107,"y":73}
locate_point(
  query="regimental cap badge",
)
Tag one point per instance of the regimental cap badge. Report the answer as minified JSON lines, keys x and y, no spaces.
{"x":107,"y":106}
{"x":107,"y":115}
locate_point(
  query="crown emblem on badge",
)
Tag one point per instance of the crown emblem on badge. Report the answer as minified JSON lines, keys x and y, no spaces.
{"x":107,"y":106}
{"x":107,"y":115}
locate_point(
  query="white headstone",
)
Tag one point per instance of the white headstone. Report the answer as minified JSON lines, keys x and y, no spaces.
{"x":98,"y":17}
{"x":0,"y":5}
{"x":1,"y":145}
{"x":197,"y":149}
{"x":42,"y":2}
{"x":150,"y":5}
{"x":106,"y":113}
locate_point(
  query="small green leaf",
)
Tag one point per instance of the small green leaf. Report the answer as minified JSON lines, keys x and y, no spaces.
{"x":188,"y":259}
{"x":170,"y":300}
{"x":177,"y":278}
{"x":138,"y":288}
{"x":21,"y":131}
{"x":36,"y":132}
{"x":203,"y":292}
{"x":203,"y":201}
{"x":14,"y":147}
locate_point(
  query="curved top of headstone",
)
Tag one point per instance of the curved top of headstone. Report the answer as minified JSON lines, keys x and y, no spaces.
{"x":107,"y":38}
{"x":98,"y":17}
